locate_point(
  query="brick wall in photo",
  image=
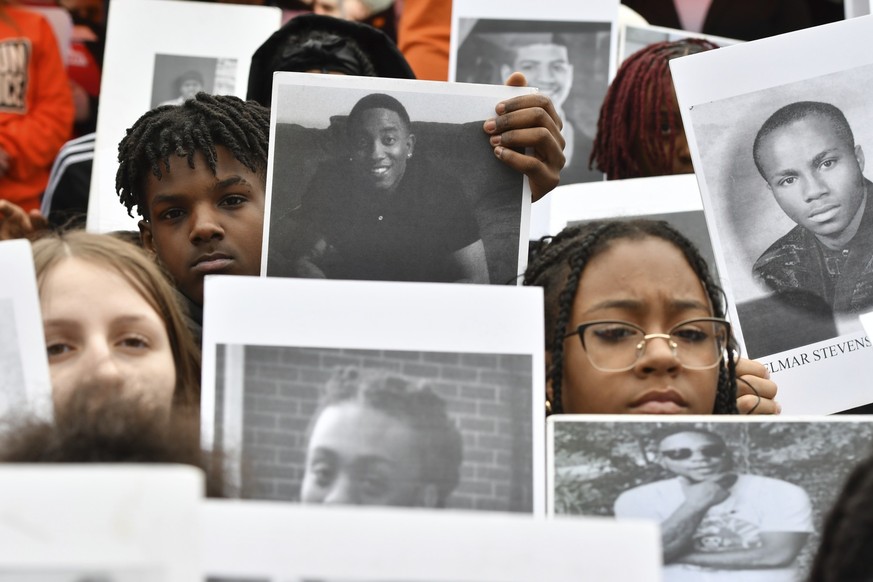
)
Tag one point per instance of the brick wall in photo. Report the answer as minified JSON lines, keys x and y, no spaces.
{"x":488,"y":396}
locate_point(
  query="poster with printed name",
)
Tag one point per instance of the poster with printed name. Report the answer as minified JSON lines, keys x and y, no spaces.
{"x":162,"y":52}
{"x":779,"y":156}
{"x":374,"y":393}
{"x":123,"y":523}
{"x":25,"y":383}
{"x":740,"y":497}
{"x":565,"y":50}
{"x":259,"y":541}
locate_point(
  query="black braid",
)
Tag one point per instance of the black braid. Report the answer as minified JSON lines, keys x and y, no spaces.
{"x":846,"y":543}
{"x":558,"y":264}
{"x":198,"y":125}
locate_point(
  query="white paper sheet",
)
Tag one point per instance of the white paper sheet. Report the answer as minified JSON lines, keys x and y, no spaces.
{"x":24,"y":374}
{"x":279,"y":340}
{"x":131,"y":523}
{"x":724,"y":97}
{"x":675,"y":199}
{"x":149,"y":43}
{"x":280,"y":542}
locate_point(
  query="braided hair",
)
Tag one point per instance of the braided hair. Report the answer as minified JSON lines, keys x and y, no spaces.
{"x":846,"y":543}
{"x":629,"y":127}
{"x":198,"y":125}
{"x":558,"y":265}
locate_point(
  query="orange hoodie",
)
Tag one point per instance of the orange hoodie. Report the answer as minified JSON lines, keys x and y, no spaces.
{"x":36,"y":106}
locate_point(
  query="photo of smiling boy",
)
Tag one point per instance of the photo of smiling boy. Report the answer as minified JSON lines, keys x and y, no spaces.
{"x":383,"y":211}
{"x":807,"y":154}
{"x":196,"y":174}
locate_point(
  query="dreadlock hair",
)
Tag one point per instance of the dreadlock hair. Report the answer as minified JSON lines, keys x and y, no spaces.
{"x":198,"y":125}
{"x":630,"y":122}
{"x":558,"y":265}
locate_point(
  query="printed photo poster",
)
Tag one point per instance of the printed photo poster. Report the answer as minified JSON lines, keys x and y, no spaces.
{"x":675,"y":199}
{"x":766,"y":484}
{"x":90,"y":523}
{"x":259,"y":541}
{"x":390,"y":180}
{"x":25,"y":383}
{"x":635,"y":37}
{"x":373,"y":393}
{"x":779,"y":155}
{"x":162,"y":52}
{"x":565,"y":49}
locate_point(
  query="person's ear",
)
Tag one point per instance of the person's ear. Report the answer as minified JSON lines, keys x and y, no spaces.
{"x":410,"y":144}
{"x":145,"y":236}
{"x":428,"y":496}
{"x":859,"y":155}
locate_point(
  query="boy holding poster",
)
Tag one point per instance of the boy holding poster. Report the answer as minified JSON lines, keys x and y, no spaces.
{"x":196,"y":173}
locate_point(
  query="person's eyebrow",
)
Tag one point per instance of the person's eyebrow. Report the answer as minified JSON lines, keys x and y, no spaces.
{"x":168,"y":198}
{"x":61,"y":323}
{"x":675,"y":305}
{"x":819,"y":158}
{"x":232,"y":181}
{"x":132,"y":319}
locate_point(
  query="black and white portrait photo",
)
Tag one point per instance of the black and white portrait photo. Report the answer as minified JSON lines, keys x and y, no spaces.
{"x":385,"y":184}
{"x":568,"y":61}
{"x":178,"y":78}
{"x":785,"y":172}
{"x":379,"y":427}
{"x":736,"y":500}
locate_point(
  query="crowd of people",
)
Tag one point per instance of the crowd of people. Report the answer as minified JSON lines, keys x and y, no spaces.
{"x":635,"y":320}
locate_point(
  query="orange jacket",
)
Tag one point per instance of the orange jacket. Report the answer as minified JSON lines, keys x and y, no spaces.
{"x":36,"y":105}
{"x":423,"y":37}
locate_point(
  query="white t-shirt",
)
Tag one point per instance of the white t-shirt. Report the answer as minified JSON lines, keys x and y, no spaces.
{"x":756,"y":504}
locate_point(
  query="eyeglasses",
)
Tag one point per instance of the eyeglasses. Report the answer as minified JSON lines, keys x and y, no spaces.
{"x":709,"y":451}
{"x":616,"y":346}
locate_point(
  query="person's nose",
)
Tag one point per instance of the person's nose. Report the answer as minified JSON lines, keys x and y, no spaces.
{"x":658,"y":357}
{"x":814,"y":187}
{"x":100,"y":369}
{"x":342,"y":492}
{"x":377,"y":151}
{"x":205,"y":225}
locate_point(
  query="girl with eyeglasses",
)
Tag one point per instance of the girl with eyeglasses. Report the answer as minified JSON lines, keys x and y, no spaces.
{"x":635,"y":325}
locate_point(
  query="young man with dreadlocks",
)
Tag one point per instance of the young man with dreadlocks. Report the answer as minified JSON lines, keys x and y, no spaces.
{"x":197,"y":173}
{"x":635,"y":325}
{"x":640,"y":131}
